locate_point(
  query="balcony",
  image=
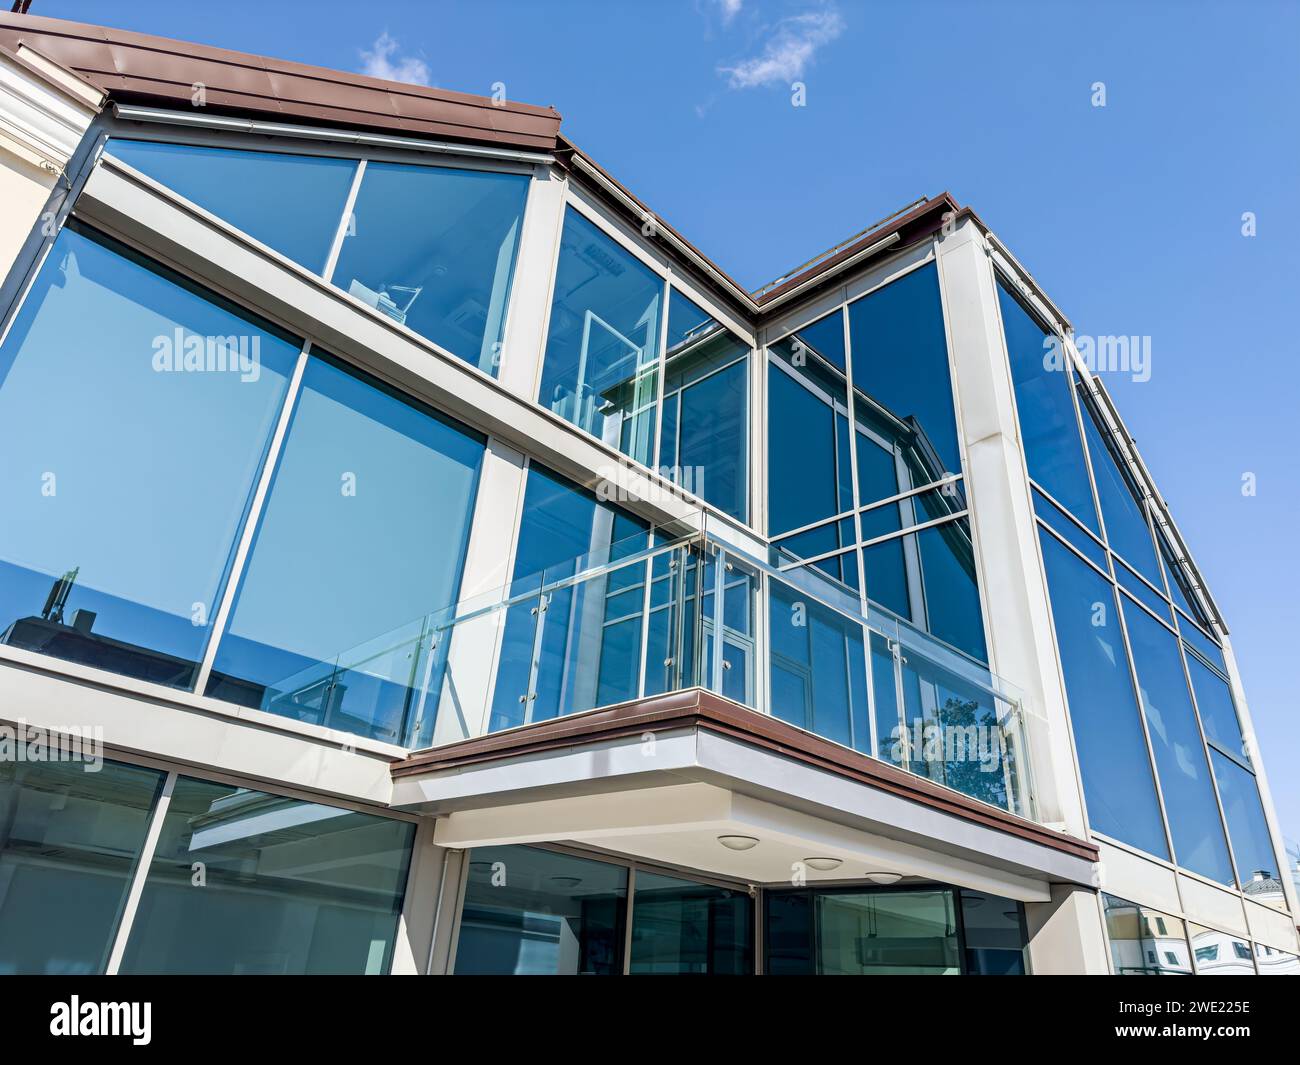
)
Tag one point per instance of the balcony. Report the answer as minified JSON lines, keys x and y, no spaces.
{"x":634,"y":622}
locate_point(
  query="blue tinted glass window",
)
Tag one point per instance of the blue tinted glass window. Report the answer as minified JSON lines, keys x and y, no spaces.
{"x":1048,"y":426}
{"x":885,"y":567}
{"x":818,"y":669}
{"x":289,"y":887}
{"x":1252,"y":846}
{"x":531,"y":912}
{"x":117,"y":380}
{"x":1143,"y":592}
{"x":602,"y":350}
{"x":900,"y":362}
{"x":1218,"y":713}
{"x":1179,"y":753}
{"x":1057,"y":519}
{"x":801,"y":455}
{"x":877,"y":471}
{"x":584,"y":648}
{"x":705,"y":445}
{"x":434,"y":249}
{"x":69,"y":841}
{"x":1126,"y":524}
{"x":823,"y":340}
{"x":952,"y":598}
{"x":1209,"y":650}
{"x":1113,"y":760}
{"x":362,"y":538}
{"x":1178,"y":583}
{"x":292,"y":203}
{"x":681,"y":926}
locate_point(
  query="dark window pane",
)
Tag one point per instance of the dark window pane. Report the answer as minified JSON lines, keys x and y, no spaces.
{"x":362,"y":538}
{"x":1057,"y":519}
{"x":900,"y":362}
{"x":131,"y":436}
{"x":1143,"y":592}
{"x":1178,"y":586}
{"x":818,"y":667}
{"x":877,"y":471}
{"x":532,"y":912}
{"x":680,"y":927}
{"x":1180,"y":755}
{"x":788,"y":934}
{"x":299,"y":217}
{"x":705,"y":445}
{"x":1209,"y":650}
{"x":803,"y":485}
{"x":1218,"y":713}
{"x":1252,"y":845}
{"x":885,"y":567}
{"x":888,"y":933}
{"x":1126,"y":523}
{"x":584,"y":649}
{"x":994,"y":935}
{"x":69,"y":840}
{"x":823,"y":341}
{"x":952,"y":599}
{"x":1113,"y":758}
{"x":434,"y":248}
{"x":1048,"y":426}
{"x":245,"y":882}
{"x":602,"y":351}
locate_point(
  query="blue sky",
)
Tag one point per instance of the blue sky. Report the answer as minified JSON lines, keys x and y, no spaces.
{"x":1130,"y":215}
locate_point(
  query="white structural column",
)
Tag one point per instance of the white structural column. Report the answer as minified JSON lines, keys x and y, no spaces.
{"x":1021,"y":648}
{"x":464,"y":701}
{"x":530,"y":297}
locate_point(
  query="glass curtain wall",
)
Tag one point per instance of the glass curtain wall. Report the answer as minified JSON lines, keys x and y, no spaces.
{"x":1146,"y":942}
{"x":240,"y":881}
{"x":71,"y":834}
{"x":136,"y":411}
{"x":864,"y":479}
{"x":361,"y":539}
{"x":934,"y":931}
{"x":668,"y":390}
{"x":431,"y":247}
{"x":1147,"y":684}
{"x":247,"y":882}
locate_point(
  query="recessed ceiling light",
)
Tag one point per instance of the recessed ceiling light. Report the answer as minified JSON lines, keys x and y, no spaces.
{"x":823,"y":865}
{"x":566,"y":881}
{"x":738,"y":843}
{"x":884,"y":878}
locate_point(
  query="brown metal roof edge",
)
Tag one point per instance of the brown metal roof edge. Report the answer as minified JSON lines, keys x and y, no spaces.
{"x":136,"y":66}
{"x":911,"y":226}
{"x":698,"y":708}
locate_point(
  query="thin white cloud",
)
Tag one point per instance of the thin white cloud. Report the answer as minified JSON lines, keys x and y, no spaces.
{"x":382,"y":60}
{"x":730,"y":9}
{"x":789,"y":50}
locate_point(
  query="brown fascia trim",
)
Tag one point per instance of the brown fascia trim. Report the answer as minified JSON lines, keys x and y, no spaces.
{"x":697,"y":708}
{"x":911,"y":226}
{"x":138,"y":68}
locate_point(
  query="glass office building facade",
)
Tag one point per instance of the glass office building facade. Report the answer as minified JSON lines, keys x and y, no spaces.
{"x":427,"y":456}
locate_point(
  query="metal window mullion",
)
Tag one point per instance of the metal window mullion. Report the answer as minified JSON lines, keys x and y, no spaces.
{"x":245,"y":544}
{"x":1142,"y":717}
{"x":631,"y":913}
{"x":340,"y":234}
{"x":140,"y":876}
{"x":1209,"y":762}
